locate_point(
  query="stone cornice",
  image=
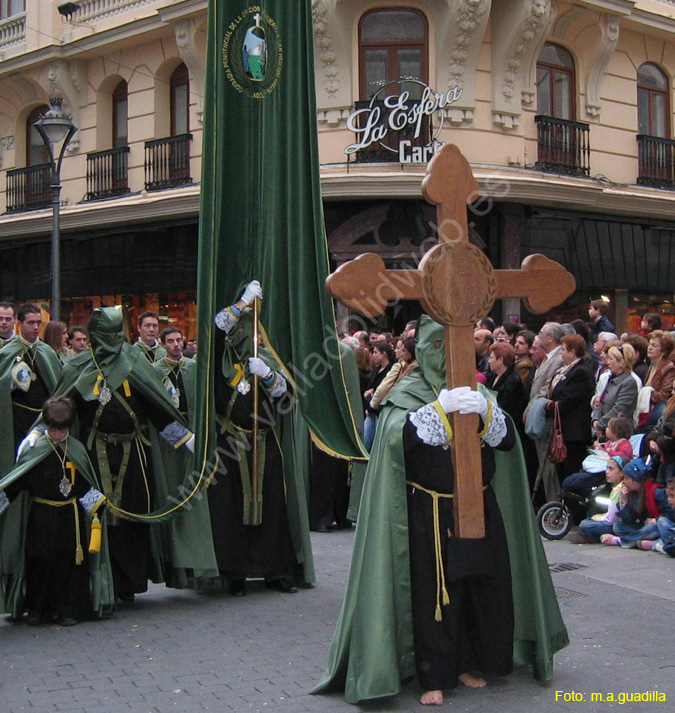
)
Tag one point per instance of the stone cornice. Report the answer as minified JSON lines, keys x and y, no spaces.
{"x":618,"y":7}
{"x":362,"y":182}
{"x":146,"y":27}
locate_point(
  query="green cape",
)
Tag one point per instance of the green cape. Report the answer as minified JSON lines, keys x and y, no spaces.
{"x":372,"y":649}
{"x":13,"y":524}
{"x":185,"y":542}
{"x":50,"y":369}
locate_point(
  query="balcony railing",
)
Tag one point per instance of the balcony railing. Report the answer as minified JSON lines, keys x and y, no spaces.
{"x":107,"y":173}
{"x":656,"y":161}
{"x":12,"y":32}
{"x":376,"y":152}
{"x":167,"y":162}
{"x":563,"y":146}
{"x":28,"y":188}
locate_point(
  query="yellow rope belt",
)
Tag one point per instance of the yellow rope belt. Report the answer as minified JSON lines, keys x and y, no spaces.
{"x":28,"y":408}
{"x":442,"y":595}
{"x":79,"y":555}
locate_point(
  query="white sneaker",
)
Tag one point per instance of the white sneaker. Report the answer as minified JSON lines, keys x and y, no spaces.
{"x":658,"y":547}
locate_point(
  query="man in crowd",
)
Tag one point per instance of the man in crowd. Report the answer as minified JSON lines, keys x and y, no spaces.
{"x":601,"y":341}
{"x":148,"y":329}
{"x":549,"y":340}
{"x":483,"y":340}
{"x":364,"y":339}
{"x":78,"y":339}
{"x":29,"y":371}
{"x":7,"y":319}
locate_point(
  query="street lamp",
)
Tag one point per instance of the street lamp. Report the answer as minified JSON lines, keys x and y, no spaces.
{"x":54,"y":127}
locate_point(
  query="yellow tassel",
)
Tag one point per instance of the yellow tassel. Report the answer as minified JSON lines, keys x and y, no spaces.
{"x":95,"y":540}
{"x":79,"y":555}
{"x":127,"y":388}
{"x":446,"y":597}
{"x":438,"y":616}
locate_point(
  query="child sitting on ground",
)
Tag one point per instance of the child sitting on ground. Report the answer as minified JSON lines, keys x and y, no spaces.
{"x":593,"y":528}
{"x":638,"y":509}
{"x":665,"y":545}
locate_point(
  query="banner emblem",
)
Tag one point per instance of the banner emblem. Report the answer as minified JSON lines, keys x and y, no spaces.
{"x":252,"y":53}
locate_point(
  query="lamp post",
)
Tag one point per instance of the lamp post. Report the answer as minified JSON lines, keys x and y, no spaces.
{"x":54,"y":127}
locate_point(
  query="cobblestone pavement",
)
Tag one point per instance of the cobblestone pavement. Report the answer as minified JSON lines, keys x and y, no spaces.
{"x":182,"y":651}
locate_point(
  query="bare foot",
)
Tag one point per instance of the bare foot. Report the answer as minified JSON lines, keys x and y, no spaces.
{"x":432,"y":698}
{"x":472,"y":681}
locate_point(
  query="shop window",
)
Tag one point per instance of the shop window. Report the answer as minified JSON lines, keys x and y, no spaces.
{"x":180,"y":101}
{"x":653,"y":110}
{"x":555,"y":83}
{"x":9,"y":8}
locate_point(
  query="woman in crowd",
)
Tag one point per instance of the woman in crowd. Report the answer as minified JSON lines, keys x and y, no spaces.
{"x":523,"y":364}
{"x":504,"y":380}
{"x":618,"y":391}
{"x":382,"y":360}
{"x":572,"y":389}
{"x":405,"y":361}
{"x":660,"y":376}
{"x":56,"y":335}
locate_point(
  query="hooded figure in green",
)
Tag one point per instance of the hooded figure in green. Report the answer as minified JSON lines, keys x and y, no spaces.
{"x":118,"y":394}
{"x":260,"y":529}
{"x":397,"y":619}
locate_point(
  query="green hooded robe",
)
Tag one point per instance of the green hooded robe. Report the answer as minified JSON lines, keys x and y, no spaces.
{"x":372,"y":649}
{"x":50,"y":370}
{"x":13,"y":533}
{"x":178,"y":550}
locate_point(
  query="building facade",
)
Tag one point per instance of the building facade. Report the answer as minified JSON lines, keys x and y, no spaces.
{"x":564,"y":110}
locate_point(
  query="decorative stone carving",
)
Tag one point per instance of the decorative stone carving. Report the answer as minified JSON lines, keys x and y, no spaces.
{"x":461,"y":29}
{"x":324,"y":50}
{"x":609,"y":27}
{"x":8,"y":142}
{"x":566,"y":20}
{"x":519,"y":29}
{"x":67,"y":79}
{"x":185,"y":32}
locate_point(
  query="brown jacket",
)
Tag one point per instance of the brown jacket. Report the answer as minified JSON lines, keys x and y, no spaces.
{"x":661,"y":380}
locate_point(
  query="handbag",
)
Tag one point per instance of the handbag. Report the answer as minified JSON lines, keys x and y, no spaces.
{"x":557,"y":450}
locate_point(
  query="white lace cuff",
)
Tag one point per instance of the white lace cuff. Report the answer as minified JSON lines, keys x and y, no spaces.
{"x":497,"y":429}
{"x":278,"y":387}
{"x":226,"y":319}
{"x":91,"y":500}
{"x":430,"y":428}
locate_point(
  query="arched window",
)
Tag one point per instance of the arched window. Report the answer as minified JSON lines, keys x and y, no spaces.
{"x":180,"y":101}
{"x":653,"y":110}
{"x":36,"y":151}
{"x":393,"y":44}
{"x":555,"y":82}
{"x":120,"y":115}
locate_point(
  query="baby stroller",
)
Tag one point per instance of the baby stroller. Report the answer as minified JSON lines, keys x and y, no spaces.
{"x":555,"y":519}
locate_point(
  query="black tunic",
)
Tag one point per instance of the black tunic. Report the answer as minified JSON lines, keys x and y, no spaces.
{"x":264,"y":550}
{"x":476,"y":631}
{"x":27,"y":405}
{"x":128,"y":542}
{"x":55,"y":584}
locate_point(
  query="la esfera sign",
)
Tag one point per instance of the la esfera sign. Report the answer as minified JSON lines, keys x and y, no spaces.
{"x":387,"y":115}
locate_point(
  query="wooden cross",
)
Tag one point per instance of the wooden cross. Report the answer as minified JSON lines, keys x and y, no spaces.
{"x":457,"y":286}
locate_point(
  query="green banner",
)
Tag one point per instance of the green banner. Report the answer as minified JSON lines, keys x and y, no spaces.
{"x":261,"y":210}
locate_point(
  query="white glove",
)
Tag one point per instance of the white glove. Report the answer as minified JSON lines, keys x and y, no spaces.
{"x":190,"y":443}
{"x":253,"y":290}
{"x":473,"y":402}
{"x":28,"y":442}
{"x":450,"y":399}
{"x":258,"y":368}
